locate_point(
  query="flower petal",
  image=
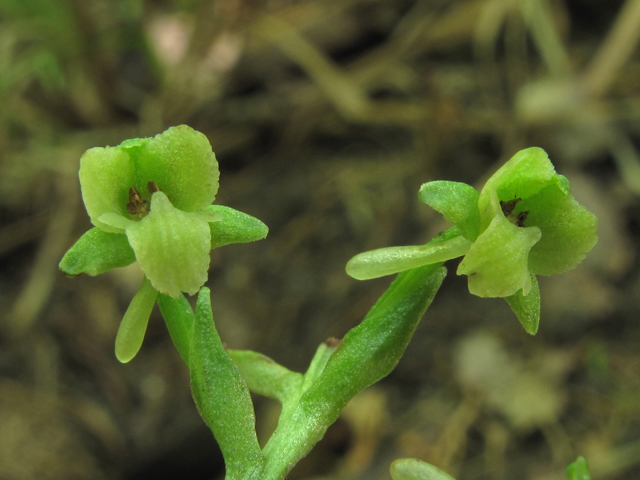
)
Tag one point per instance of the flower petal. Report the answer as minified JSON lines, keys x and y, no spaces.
{"x":568,"y":229}
{"x":172,"y":247}
{"x":496,"y":264}
{"x":106,"y":174}
{"x":457,"y":202}
{"x":181,"y":163}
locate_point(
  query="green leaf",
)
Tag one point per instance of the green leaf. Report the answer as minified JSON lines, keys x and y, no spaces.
{"x":457,"y":202}
{"x":414,"y":469}
{"x":180,"y":161}
{"x":96,"y":252}
{"x":235,"y":227}
{"x":106,"y":174}
{"x":578,"y":470}
{"x":134,"y":323}
{"x":266,"y":377}
{"x":387,"y":261}
{"x":172,"y":247}
{"x":178,"y":316}
{"x":527,"y":307}
{"x":368,"y":353}
{"x":568,"y":229}
{"x":497,"y":262}
{"x":222,"y":396}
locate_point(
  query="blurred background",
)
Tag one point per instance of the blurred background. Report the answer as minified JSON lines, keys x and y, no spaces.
{"x":326,"y":117}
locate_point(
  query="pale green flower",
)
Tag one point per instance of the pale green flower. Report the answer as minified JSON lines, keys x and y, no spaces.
{"x":150,"y":200}
{"x":523,"y":223}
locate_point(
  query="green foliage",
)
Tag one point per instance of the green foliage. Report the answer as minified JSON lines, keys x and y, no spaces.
{"x":150,"y":201}
{"x":367,"y":353}
{"x":414,"y":469}
{"x":222,"y":395}
{"x":578,"y":470}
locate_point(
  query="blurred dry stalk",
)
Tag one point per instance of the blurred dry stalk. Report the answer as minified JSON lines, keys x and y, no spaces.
{"x":326,"y":117}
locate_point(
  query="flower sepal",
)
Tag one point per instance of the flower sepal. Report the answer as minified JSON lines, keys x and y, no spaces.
{"x":97,"y":252}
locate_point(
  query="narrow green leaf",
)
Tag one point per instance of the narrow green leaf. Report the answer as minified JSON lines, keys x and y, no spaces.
{"x":221,"y":395}
{"x":178,"y":316}
{"x":527,"y":307}
{"x":265,"y":376}
{"x":134,"y":323}
{"x":578,"y":470}
{"x":235,"y":227}
{"x":96,"y":252}
{"x":457,"y":202}
{"x":414,"y":469}
{"x":368,"y":353}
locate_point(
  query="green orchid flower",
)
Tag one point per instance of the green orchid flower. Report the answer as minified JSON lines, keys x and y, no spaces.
{"x":523,"y":223}
{"x":150,"y":200}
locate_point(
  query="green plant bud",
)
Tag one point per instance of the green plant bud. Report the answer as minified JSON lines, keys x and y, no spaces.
{"x":414,"y":469}
{"x":578,"y":470}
